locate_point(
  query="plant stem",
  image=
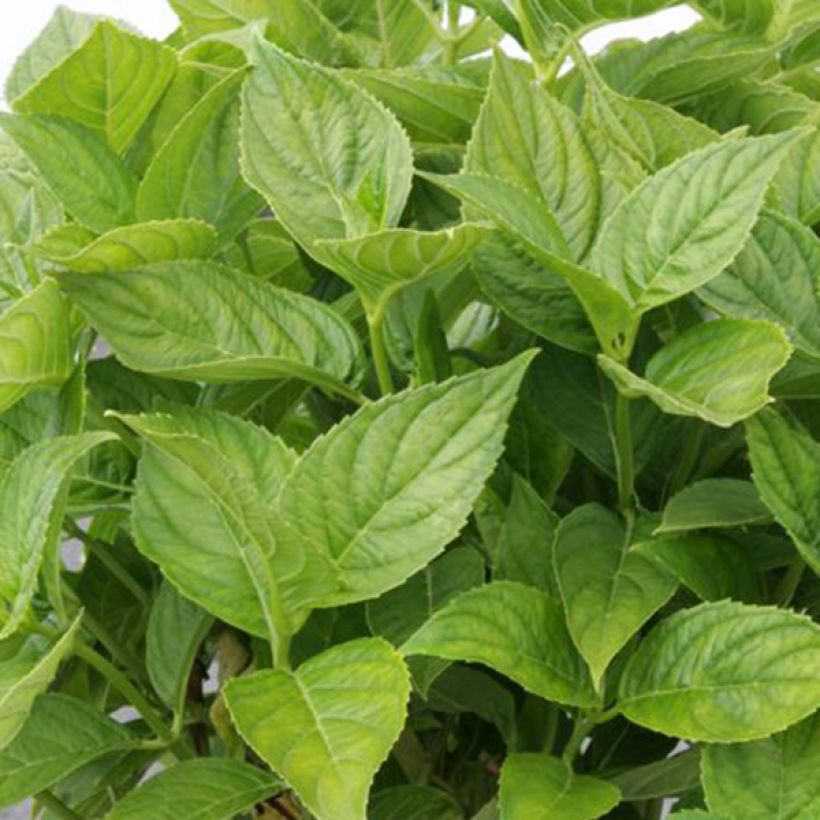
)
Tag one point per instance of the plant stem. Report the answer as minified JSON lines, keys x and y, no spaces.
{"x":451,"y":39}
{"x":125,"y":688}
{"x":583,"y":726}
{"x":101,"y":634}
{"x":789,"y":583}
{"x":375,"y":324}
{"x":56,"y":806}
{"x":624,"y":453}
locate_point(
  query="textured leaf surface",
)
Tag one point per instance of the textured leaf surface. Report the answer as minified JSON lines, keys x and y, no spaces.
{"x":387,"y":489}
{"x":230,"y":326}
{"x":35,"y":344}
{"x":718,"y":371}
{"x":61,"y":734}
{"x":27,"y":674}
{"x":786,"y":471}
{"x":684,"y":225}
{"x":126,"y":248}
{"x":206,"y":789}
{"x":96,"y":188}
{"x":327,"y":727}
{"x":514,"y":629}
{"x":724,"y":673}
{"x":176,"y":628}
{"x":329,"y":159}
{"x":775,"y":777}
{"x":412,"y":803}
{"x":539,"y":787}
{"x":608,"y":590}
{"x":196,"y":172}
{"x":714,"y":503}
{"x":774,"y":277}
{"x":200,"y":17}
{"x":29,"y":493}
{"x":799,"y":181}
{"x":109,"y":84}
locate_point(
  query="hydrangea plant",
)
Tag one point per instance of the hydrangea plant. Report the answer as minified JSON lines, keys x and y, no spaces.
{"x":392,"y":428}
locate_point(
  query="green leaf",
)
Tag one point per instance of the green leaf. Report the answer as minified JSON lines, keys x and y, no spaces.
{"x":326,"y":728}
{"x":133,"y":246}
{"x":786,"y":471}
{"x":714,"y":503}
{"x":718,"y":371}
{"x":379,"y":264}
{"x":673,"y":775}
{"x":775,"y":278}
{"x":26,"y":674}
{"x":697,"y":814}
{"x":398,"y":479}
{"x":175,"y":631}
{"x":109,"y":83}
{"x":664,"y":241}
{"x":609,"y":590}
{"x":526,"y":137}
{"x":230,"y":327}
{"x":403,"y":29}
{"x":95,"y":187}
{"x":741,"y":15}
{"x":29,"y":498}
{"x":297,"y":150}
{"x":63,"y":33}
{"x":516,"y":630}
{"x":196,"y":172}
{"x":713,"y":566}
{"x":36,"y":349}
{"x":775,"y":777}
{"x":61,"y":734}
{"x":205,"y":789}
{"x":798,"y":183}
{"x":540,"y":787}
{"x":201,"y":17}
{"x":724,"y":673}
{"x":412,"y":803}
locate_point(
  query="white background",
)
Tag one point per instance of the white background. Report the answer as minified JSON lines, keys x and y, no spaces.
{"x":21,"y":20}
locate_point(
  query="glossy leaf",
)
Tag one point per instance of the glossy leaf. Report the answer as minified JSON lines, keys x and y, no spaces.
{"x":327,"y":727}
{"x":786,"y":471}
{"x":205,"y":789}
{"x":514,"y":629}
{"x":723,"y":673}
{"x":608,"y":589}
{"x":707,"y":371}
{"x":539,"y":787}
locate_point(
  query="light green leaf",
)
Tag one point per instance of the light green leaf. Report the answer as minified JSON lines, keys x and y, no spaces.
{"x":326,"y":728}
{"x":798,"y":183}
{"x":95,"y":187}
{"x":714,"y":503}
{"x":412,"y":803}
{"x":196,"y":172}
{"x":697,"y":814}
{"x":724,"y":673}
{"x":29,"y":499}
{"x":201,"y":17}
{"x":609,"y":590}
{"x":27,"y":674}
{"x":540,"y":787}
{"x":404,"y":29}
{"x":516,"y":630}
{"x":379,"y":264}
{"x":775,"y":777}
{"x":775,"y":278}
{"x":786,"y":471}
{"x":398,"y":480}
{"x":126,"y":248}
{"x":205,"y":789}
{"x":297,"y":151}
{"x":526,"y":137}
{"x":718,"y":371}
{"x":61,"y":735}
{"x":229,"y":327}
{"x":685,"y":224}
{"x":36,"y":348}
{"x":713,"y":566}
{"x":109,"y":84}
{"x":176,"y":628}
{"x":63,"y":33}
{"x":741,"y":15}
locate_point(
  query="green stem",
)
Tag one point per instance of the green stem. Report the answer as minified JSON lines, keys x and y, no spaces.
{"x":114,"y":647}
{"x":375,"y":324}
{"x":451,"y":40}
{"x":551,"y":730}
{"x":624,"y":453}
{"x":789,"y":583}
{"x":56,"y":806}
{"x":583,"y":726}
{"x":127,"y":689}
